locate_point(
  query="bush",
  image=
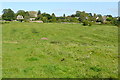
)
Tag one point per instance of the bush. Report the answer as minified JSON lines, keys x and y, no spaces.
{"x":26,"y":20}
{"x":4,"y":22}
{"x":90,"y":23}
{"x":118,"y":23}
{"x":87,"y":23}
{"x":107,"y":22}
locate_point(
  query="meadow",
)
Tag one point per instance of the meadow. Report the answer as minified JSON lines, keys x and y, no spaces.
{"x":55,"y":50}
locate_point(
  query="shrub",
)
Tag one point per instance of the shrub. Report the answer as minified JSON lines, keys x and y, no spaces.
{"x":26,"y":20}
{"x":116,"y":22}
{"x":85,"y":23}
{"x":90,"y":23}
{"x":20,"y":20}
{"x":107,"y":22}
{"x":4,"y":22}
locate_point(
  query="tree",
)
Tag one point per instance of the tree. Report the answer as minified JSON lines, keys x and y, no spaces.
{"x":48,"y":16}
{"x":90,"y":14}
{"x":53,"y":15}
{"x":109,"y":18}
{"x":39,"y":12}
{"x":21,"y":12}
{"x":72,"y":19}
{"x":45,"y":19}
{"x":115,"y":21}
{"x":90,"y":17}
{"x":53,"y":18}
{"x":118,"y":22}
{"x":77,"y":13}
{"x":60,"y":19}
{"x":64,"y":15}
{"x":82,"y":16}
{"x":39,"y":15}
{"x":73,"y":15}
{"x":8,"y":14}
{"x":27,"y":16}
{"x":87,"y":23}
{"x":94,"y":17}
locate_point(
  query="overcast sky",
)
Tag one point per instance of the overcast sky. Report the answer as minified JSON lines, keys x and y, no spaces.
{"x":59,"y":8}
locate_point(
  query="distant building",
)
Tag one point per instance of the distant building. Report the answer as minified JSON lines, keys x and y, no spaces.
{"x":117,"y":18}
{"x":33,"y":14}
{"x":77,"y":17}
{"x":104,"y":18}
{"x":97,"y":18}
{"x":32,"y":19}
{"x":20,"y":17}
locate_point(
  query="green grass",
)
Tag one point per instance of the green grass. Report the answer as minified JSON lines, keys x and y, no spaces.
{"x":0,"y":51}
{"x":71,"y":51}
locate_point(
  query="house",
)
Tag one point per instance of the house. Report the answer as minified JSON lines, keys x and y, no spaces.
{"x":32,"y":19}
{"x":77,"y":17}
{"x":117,"y":18}
{"x":97,"y":18}
{"x":20,"y":17}
{"x":104,"y":18}
{"x":33,"y":14}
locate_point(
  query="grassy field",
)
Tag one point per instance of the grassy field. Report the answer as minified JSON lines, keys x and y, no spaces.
{"x":70,"y":51}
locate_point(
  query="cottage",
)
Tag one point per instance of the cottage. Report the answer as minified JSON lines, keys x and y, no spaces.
{"x":20,"y":17}
{"x":32,"y":19}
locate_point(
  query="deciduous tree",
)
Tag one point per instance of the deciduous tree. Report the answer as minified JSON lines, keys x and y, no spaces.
{"x":8,"y":15}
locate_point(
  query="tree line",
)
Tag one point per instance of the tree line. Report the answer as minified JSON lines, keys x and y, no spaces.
{"x":78,"y":17}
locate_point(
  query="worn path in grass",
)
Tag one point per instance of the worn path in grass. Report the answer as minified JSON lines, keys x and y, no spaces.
{"x":69,"y":51}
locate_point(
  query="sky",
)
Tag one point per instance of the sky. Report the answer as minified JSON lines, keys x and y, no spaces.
{"x":60,"y":8}
{"x":59,"y":0}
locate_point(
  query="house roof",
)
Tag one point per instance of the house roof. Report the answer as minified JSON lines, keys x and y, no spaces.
{"x":33,"y":13}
